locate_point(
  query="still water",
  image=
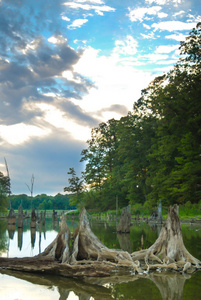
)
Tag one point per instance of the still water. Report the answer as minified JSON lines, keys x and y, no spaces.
{"x":167,"y":286}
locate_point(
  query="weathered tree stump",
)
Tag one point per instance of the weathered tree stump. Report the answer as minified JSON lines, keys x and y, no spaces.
{"x":33,"y":218}
{"x":125,"y":220}
{"x":43,"y":219}
{"x":20,"y":217}
{"x":88,"y":256}
{"x":11,"y":217}
{"x":169,"y":250}
{"x":54,"y":216}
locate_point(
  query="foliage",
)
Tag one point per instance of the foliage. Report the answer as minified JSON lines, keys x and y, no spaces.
{"x":43,"y":202}
{"x":4,"y":191}
{"x":154,"y":152}
{"x":75,"y":188}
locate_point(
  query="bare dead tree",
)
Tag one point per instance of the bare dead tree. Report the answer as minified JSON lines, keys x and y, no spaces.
{"x":8,"y":175}
{"x":30,"y":188}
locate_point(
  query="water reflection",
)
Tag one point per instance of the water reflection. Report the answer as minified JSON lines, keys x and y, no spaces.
{"x":20,"y":238}
{"x":26,"y":242}
{"x":124,"y":241}
{"x":165,"y":286}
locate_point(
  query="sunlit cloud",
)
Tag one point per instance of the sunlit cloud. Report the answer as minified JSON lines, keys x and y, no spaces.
{"x":166,"y":48}
{"x":77,"y":23}
{"x":74,"y":64}
{"x":173,"y":25}
{"x":59,"y":120}
{"x":177,"y":37}
{"x":20,"y":133}
{"x":139,"y":14}
{"x":148,"y":36}
{"x":116,"y":83}
{"x":98,"y":9}
{"x":57,"y":39}
{"x":126,"y":47}
{"x":154,"y":57}
{"x":65,"y":18}
{"x":162,"y":15}
{"x":179,"y":13}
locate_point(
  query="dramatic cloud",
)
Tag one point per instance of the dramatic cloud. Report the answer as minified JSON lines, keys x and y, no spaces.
{"x":117,"y":80}
{"x":66,"y":66}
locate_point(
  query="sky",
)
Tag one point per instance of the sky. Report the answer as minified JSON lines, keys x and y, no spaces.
{"x":66,"y":66}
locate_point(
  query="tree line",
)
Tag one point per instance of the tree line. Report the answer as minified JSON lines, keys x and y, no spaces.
{"x":155,"y":151}
{"x":42,"y":202}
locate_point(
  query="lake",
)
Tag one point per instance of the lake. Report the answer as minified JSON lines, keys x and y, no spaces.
{"x":164,"y":285}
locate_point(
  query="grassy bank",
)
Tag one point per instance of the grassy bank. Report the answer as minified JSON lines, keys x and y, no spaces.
{"x":186,"y":211}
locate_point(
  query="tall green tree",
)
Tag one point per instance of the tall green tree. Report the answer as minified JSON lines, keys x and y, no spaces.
{"x":4,"y":191}
{"x":175,"y":154}
{"x":154,"y":152}
{"x":75,"y":187}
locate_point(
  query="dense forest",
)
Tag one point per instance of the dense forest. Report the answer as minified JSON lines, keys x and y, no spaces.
{"x":155,"y":151}
{"x":42,"y":202}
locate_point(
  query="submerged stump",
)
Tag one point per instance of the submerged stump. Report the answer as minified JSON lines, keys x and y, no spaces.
{"x":125,"y":220}
{"x":83,"y":254}
{"x":11,"y":217}
{"x":33,"y":219}
{"x":169,"y":250}
{"x":20,"y":217}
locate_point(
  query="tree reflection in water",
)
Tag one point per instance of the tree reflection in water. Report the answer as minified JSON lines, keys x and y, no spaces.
{"x":166,"y":286}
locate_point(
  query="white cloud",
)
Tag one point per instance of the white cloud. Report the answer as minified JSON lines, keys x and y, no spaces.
{"x":116,"y":84}
{"x":98,"y":9}
{"x":139,"y":14}
{"x":77,"y":23}
{"x":179,"y":13}
{"x":146,"y":26}
{"x":57,"y":118}
{"x":57,"y":39}
{"x":155,"y":57}
{"x":148,"y":36}
{"x":20,"y":133}
{"x":163,"y":2}
{"x":173,"y":25}
{"x":65,"y":18}
{"x":177,"y":37}
{"x":159,"y":2}
{"x":166,"y":49}
{"x":69,"y":75}
{"x":162,"y":15}
{"x":126,"y":47}
{"x":163,"y":69}
{"x":169,"y":62}
{"x":193,"y":18}
{"x":91,"y":1}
